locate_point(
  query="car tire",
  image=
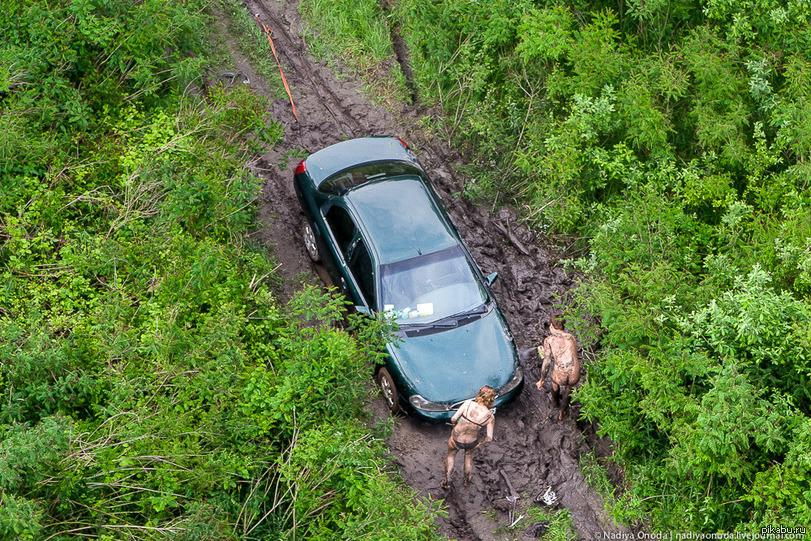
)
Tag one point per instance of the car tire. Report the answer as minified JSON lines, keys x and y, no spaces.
{"x":389,"y":390}
{"x":310,"y":243}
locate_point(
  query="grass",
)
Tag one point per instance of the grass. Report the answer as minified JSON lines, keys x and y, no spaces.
{"x":250,"y":41}
{"x":353,"y":29}
{"x":623,"y":506}
{"x":561,"y":527}
{"x":357,"y":33}
{"x":597,"y":476}
{"x":491,"y":514}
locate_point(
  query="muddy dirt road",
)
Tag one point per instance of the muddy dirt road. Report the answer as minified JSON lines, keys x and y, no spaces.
{"x":529,"y":449}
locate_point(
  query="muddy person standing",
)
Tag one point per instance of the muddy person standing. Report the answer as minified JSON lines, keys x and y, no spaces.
{"x":468,"y":422}
{"x":560,"y":354}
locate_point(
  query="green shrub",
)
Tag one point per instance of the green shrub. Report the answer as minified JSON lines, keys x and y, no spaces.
{"x":153,"y":383}
{"x":672,"y":139}
{"x":334,"y":475}
{"x":709,"y":405}
{"x":19,"y":518}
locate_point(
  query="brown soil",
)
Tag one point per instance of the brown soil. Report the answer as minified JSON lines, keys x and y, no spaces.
{"x":530,"y":449}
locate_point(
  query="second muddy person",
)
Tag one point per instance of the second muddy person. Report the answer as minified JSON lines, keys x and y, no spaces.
{"x":468,"y":421}
{"x":560,"y":354}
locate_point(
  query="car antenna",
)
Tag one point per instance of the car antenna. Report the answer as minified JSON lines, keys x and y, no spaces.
{"x":416,"y":243}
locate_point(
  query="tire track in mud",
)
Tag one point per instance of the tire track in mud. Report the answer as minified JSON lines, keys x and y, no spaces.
{"x":401,"y":51}
{"x":302,"y":75}
{"x":329,"y":110}
{"x":532,"y":450}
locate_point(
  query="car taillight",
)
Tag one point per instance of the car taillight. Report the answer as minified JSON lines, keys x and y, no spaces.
{"x":403,"y":142}
{"x":300,"y":168}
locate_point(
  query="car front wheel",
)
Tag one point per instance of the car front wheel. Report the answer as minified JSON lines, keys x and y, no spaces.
{"x":309,"y":242}
{"x":389,"y":390}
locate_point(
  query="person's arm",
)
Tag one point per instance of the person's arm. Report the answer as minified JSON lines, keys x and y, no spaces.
{"x":490,"y":426}
{"x":575,"y":358}
{"x":458,"y":414}
{"x":547,"y":362}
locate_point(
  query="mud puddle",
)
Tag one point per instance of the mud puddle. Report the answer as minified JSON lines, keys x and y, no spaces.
{"x":531,"y":449}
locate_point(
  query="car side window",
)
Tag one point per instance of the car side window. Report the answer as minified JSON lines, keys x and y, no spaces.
{"x":342,"y":227}
{"x":362,"y":269}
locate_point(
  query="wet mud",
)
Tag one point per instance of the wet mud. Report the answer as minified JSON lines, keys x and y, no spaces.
{"x":531,"y":449}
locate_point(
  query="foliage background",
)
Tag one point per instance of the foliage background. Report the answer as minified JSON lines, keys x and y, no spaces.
{"x":672,"y":141}
{"x":152,"y":383}
{"x":673,"y":138}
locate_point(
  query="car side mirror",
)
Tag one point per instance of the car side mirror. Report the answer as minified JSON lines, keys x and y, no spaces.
{"x":491,"y":278}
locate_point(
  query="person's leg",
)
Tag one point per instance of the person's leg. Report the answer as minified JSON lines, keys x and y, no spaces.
{"x":564,"y":401}
{"x":468,"y":465}
{"x":556,"y":394}
{"x":449,"y":460}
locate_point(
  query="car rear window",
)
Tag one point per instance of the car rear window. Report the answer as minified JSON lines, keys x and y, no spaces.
{"x":340,"y":182}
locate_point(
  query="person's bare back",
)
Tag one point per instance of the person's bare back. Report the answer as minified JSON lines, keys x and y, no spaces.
{"x":562,"y":347}
{"x":468,"y":422}
{"x":560,"y":354}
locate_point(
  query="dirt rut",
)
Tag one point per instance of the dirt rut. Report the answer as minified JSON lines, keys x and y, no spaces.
{"x":531,"y":449}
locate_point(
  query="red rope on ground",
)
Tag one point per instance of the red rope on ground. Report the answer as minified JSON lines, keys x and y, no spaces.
{"x":268,"y":33}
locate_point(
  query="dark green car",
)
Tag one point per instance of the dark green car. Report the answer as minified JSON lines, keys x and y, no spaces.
{"x":374,"y":221}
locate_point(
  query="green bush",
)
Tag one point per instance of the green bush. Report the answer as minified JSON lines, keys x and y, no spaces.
{"x":671,"y":138}
{"x":710,"y":403}
{"x":19,"y":518}
{"x":153,"y":383}
{"x":334,"y":475}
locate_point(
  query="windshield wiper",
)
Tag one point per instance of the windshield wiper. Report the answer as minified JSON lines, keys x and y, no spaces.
{"x":416,"y":329}
{"x":448,"y":322}
{"x":451,"y":322}
{"x":478,"y":311}
{"x":483,"y":309}
{"x":443,"y":323}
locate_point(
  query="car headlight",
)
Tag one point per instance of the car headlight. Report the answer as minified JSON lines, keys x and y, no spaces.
{"x":421,"y":403}
{"x":516,"y":380}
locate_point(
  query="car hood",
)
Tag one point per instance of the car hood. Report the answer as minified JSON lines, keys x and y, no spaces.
{"x":452,"y":365}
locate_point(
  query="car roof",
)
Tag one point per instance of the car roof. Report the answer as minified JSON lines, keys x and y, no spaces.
{"x":402,"y":218}
{"x":340,"y":156}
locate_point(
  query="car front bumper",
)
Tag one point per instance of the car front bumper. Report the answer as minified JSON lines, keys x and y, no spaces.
{"x":439,"y":411}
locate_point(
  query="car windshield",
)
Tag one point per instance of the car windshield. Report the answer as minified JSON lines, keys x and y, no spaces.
{"x":430,"y":287}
